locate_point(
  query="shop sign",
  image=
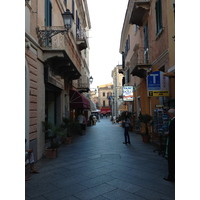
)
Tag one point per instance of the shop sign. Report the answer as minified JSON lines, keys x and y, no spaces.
{"x":157,"y":84}
{"x":128,"y":93}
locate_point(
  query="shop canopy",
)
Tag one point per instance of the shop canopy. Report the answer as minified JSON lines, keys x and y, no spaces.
{"x":105,"y":110}
{"x":77,"y":100}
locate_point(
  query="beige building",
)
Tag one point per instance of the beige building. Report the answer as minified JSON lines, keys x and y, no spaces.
{"x":147,"y":45}
{"x":56,"y":65}
{"x":104,"y":93}
{"x":117,"y":75}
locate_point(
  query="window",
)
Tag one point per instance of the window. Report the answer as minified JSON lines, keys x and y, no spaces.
{"x":73,"y":7}
{"x":48,"y":13}
{"x":158,"y":17}
{"x":127,"y":47}
{"x":146,"y":40}
{"x":104,"y":94}
{"x":127,"y":76}
{"x":48,"y":19}
{"x":104,"y":103}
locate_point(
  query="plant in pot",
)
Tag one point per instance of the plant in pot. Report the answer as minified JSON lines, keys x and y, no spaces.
{"x":71,"y":128}
{"x":50,"y":134}
{"x":146,"y":120}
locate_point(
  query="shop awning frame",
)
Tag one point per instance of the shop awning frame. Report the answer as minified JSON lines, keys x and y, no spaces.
{"x":77,"y":100}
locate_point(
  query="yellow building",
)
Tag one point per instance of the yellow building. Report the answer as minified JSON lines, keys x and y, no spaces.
{"x":147,"y":47}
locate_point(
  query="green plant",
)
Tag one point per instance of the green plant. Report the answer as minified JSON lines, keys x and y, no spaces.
{"x":122,"y":116}
{"x":51,"y":132}
{"x":71,"y":127}
{"x":147,"y":121}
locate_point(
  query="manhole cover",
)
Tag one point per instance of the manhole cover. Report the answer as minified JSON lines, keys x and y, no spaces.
{"x":110,"y":156}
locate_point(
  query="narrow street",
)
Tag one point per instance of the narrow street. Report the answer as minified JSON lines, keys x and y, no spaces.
{"x":99,"y":166}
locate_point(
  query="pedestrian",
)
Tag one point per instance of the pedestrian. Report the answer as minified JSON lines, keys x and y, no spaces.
{"x":98,"y":118}
{"x":114,"y":119}
{"x":84,"y":125}
{"x":29,"y":156}
{"x":80,"y":120}
{"x":127,"y":122}
{"x":171,"y":147}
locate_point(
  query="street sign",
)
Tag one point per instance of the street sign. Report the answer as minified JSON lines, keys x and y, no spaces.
{"x":128,"y":93}
{"x":157,"y":84}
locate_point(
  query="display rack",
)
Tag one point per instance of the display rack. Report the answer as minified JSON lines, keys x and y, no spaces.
{"x":161,"y":120}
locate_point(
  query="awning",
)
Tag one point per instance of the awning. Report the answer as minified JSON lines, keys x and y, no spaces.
{"x":105,"y":110}
{"x":77,"y":100}
{"x":169,"y":74}
{"x":122,"y":107}
{"x":92,"y":104}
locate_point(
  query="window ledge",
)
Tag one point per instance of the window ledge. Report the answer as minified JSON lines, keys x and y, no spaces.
{"x":159,"y":33}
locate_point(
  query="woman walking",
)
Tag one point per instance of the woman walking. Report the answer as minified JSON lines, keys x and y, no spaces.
{"x":127,"y":122}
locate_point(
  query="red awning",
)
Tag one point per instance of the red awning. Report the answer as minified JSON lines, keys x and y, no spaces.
{"x":105,"y":110}
{"x":77,"y":100}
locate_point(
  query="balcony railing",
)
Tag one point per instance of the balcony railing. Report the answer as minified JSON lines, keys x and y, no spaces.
{"x":140,"y":61}
{"x":81,"y":38}
{"x":55,"y":42}
{"x":82,"y":84}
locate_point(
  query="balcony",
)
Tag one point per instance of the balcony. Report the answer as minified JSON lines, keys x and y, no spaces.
{"x":81,"y":39}
{"x":140,"y":9}
{"x":59,"y":52}
{"x":140,"y":61}
{"x":82,"y":84}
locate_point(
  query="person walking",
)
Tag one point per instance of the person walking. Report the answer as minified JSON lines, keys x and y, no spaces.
{"x":81,"y":118}
{"x":171,"y":147}
{"x":127,"y":122}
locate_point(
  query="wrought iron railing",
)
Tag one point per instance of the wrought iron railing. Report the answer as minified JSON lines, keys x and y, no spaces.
{"x":141,"y":56}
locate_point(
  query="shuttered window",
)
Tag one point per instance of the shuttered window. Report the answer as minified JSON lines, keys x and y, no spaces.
{"x":158,"y":16}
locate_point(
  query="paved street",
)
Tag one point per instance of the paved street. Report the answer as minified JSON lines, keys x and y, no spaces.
{"x":99,"y":166}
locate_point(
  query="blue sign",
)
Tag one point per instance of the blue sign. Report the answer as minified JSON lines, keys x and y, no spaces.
{"x":154,"y":81}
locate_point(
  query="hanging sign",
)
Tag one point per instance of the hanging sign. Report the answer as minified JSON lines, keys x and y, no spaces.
{"x":128,"y":93}
{"x":157,"y":84}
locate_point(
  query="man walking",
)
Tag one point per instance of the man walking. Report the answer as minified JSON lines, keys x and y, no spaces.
{"x":171,"y":147}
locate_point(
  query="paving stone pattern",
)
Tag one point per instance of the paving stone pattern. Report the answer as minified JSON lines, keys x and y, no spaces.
{"x":99,"y":166}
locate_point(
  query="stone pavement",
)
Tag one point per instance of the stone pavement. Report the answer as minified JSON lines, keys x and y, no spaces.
{"x":99,"y":166}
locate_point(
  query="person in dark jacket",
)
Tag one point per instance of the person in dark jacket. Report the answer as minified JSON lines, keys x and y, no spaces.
{"x":127,"y":122}
{"x":171,"y":147}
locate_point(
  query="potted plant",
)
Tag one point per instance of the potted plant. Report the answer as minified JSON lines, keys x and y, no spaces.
{"x":71,"y":128}
{"x":146,"y":120}
{"x":51,"y":134}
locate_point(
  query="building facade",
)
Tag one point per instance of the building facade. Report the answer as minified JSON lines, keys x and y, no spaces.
{"x":148,"y":46}
{"x":117,"y":75}
{"x":56,"y":65}
{"x":104,"y":101}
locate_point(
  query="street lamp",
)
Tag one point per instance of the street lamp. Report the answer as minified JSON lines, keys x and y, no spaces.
{"x":50,"y":31}
{"x":91,"y":79}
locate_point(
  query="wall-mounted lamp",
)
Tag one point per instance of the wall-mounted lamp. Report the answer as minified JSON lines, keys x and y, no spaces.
{"x":91,"y":79}
{"x":49,"y":31}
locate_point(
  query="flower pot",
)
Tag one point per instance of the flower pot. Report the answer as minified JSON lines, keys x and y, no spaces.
{"x":146,"y":138}
{"x":68,"y":140}
{"x":51,"y":153}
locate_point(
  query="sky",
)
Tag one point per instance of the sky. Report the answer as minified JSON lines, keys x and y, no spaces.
{"x":107,"y":18}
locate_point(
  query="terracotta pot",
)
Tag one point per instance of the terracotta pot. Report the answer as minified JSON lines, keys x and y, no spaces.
{"x":68,"y":140}
{"x":51,"y":153}
{"x":146,"y":138}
